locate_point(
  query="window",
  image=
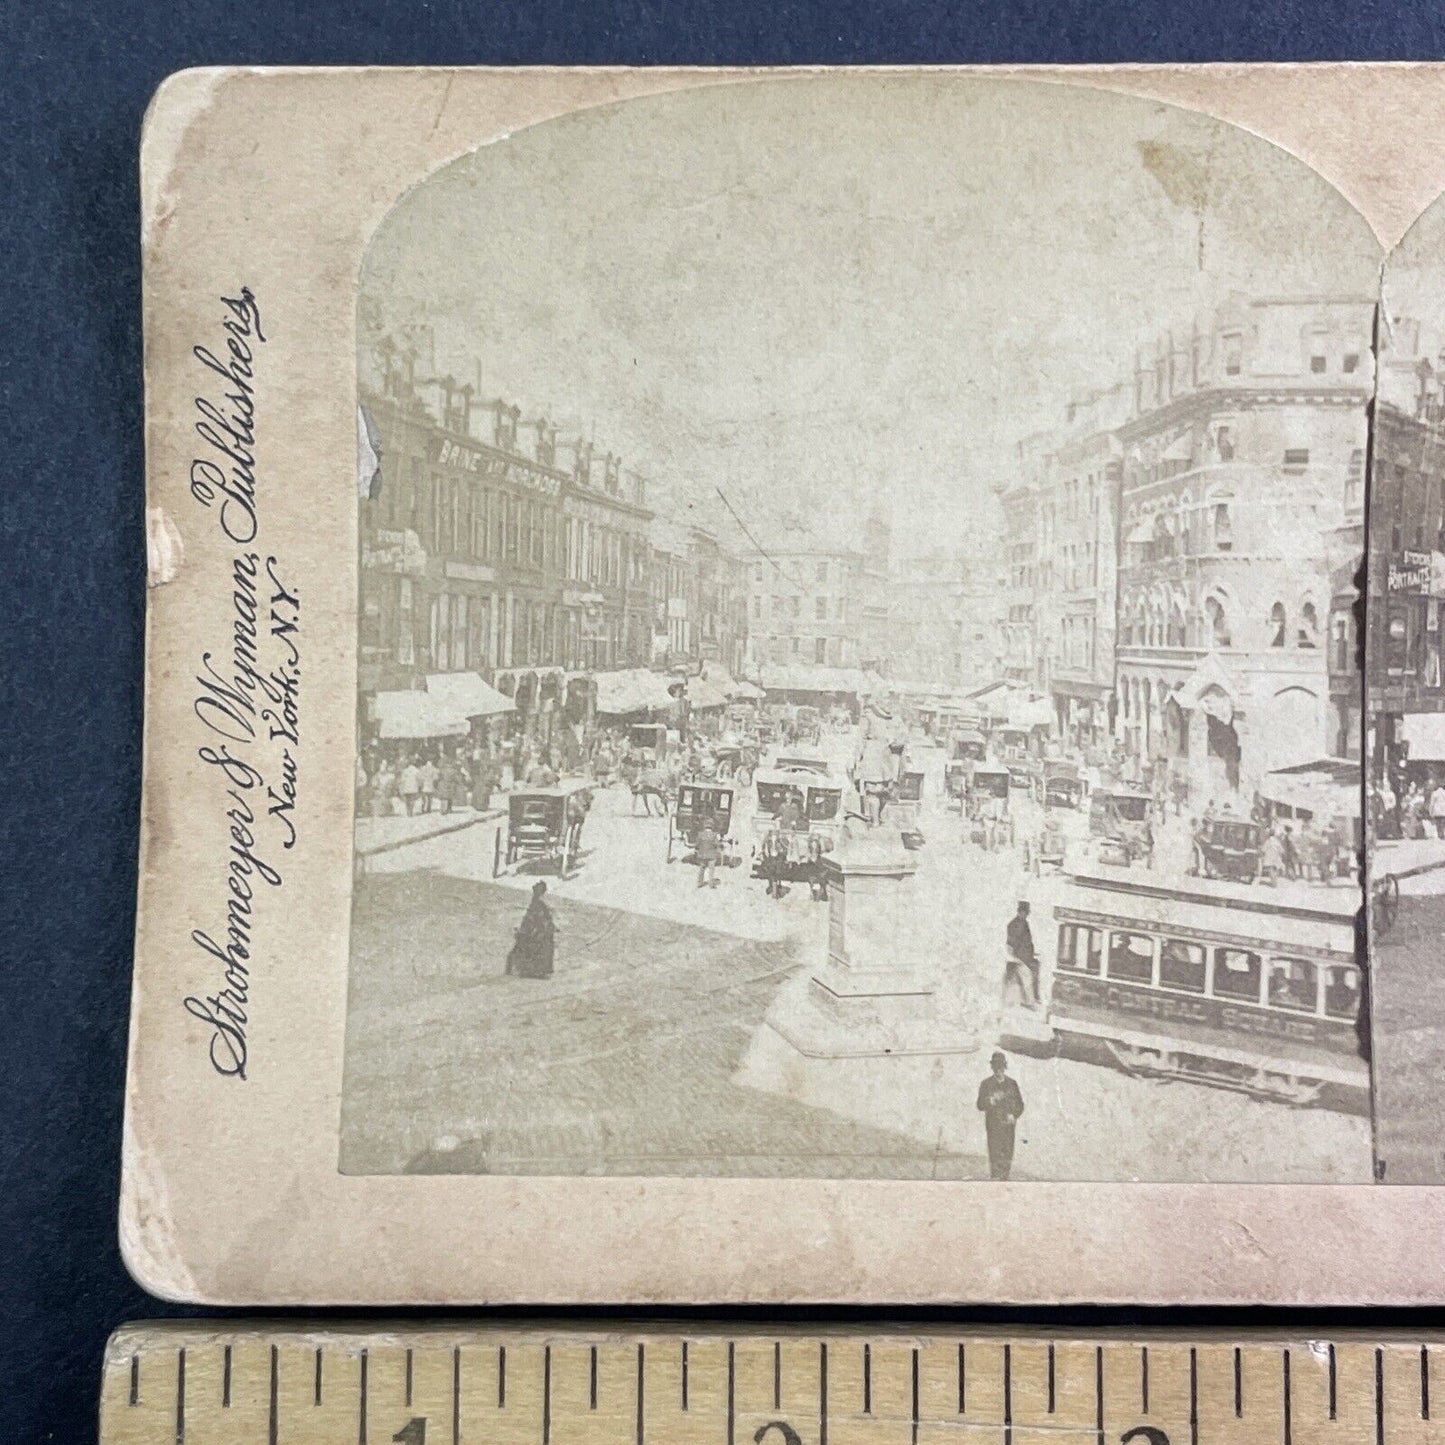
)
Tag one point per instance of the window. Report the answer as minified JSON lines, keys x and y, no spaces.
{"x":1317,"y":363}
{"x":758,"y":573}
{"x":1081,"y":949}
{"x":1293,"y":985}
{"x":1131,"y":957}
{"x":794,"y":605}
{"x":1224,"y":443}
{"x":1342,"y":991}
{"x":1400,"y":638}
{"x":1278,"y":625}
{"x":1236,"y":974}
{"x":1232,"y":345}
{"x":820,"y":649}
{"x":1309,"y":627}
{"x":1182,"y":965}
{"x":757,"y":606}
{"x":822,"y":571}
{"x":820,"y":609}
{"x":1296,"y":459}
{"x":1351,"y":362}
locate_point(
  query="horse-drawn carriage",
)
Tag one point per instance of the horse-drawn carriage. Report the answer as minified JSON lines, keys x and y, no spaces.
{"x":1120,"y":816}
{"x":731,"y":762}
{"x":1063,"y":784}
{"x":799,"y":811}
{"x":543,"y":823}
{"x":989,"y":820}
{"x":1228,"y":848}
{"x":699,"y":802}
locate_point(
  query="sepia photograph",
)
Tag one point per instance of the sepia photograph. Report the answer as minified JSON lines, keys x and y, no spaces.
{"x":858,"y":656}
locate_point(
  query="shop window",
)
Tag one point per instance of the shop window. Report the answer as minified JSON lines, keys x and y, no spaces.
{"x":1236,"y":974}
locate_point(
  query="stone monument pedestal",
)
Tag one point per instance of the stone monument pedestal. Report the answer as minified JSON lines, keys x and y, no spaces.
{"x":872,"y":995}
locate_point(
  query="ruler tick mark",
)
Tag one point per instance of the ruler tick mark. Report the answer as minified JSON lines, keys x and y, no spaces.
{"x":641,"y":1384}
{"x":777,"y":1374}
{"x":867,"y":1380}
{"x":592,"y":1380}
{"x":135,"y":1379}
{"x":1008,"y":1396}
{"x":547,"y":1395}
{"x":180,"y":1396}
{"x":962,"y":1381}
{"x":1334,"y":1393}
{"x":316,"y":1394}
{"x":732,"y":1392}
{"x":226,"y":1378}
{"x":1238,"y":1383}
{"x":502,"y":1377}
{"x":457,"y":1395}
{"x":915,"y":1396}
{"x":1379,"y":1397}
{"x":273,"y":1416}
{"x":1288,"y":1403}
{"x":1051,"y":1377}
{"x":684,"y":1374}
{"x":1193,"y":1396}
{"x":408,"y":1378}
{"x":1144,"y":1378}
{"x":361,"y":1421}
{"x":1099,"y":1393}
{"x":823,"y":1393}
{"x":1424,"y":1382}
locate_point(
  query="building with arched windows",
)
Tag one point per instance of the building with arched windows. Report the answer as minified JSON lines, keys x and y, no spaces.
{"x":1246,"y":439}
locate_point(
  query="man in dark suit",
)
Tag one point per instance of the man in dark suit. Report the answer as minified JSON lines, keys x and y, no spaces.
{"x":1001,"y":1104}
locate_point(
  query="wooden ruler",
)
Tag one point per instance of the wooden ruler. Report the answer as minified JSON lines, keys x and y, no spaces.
{"x":197,"y":1385}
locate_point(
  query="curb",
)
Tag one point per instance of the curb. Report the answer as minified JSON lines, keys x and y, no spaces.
{"x":490,"y":816}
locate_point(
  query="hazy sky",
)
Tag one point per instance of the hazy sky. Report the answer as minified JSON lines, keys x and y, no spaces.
{"x":825,"y":293}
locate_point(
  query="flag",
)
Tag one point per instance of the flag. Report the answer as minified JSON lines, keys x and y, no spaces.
{"x":368,"y":457}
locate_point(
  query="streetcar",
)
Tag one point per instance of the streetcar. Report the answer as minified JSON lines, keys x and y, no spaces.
{"x":543,"y":824}
{"x":1200,"y":980}
{"x":698,"y":801}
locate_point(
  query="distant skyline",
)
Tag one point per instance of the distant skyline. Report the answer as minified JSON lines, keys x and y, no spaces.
{"x":818,"y":295}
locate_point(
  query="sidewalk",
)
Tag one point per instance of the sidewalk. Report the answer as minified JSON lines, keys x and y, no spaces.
{"x":383,"y":835}
{"x":1406,"y":857}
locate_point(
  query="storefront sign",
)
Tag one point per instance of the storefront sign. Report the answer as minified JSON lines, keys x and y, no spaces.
{"x":1410,"y":572}
{"x":495,"y":466}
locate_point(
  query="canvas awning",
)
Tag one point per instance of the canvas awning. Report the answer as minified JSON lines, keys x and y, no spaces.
{"x":632,"y":690}
{"x":1425,"y":733}
{"x":1033,"y":712}
{"x":746,"y":692}
{"x":468,"y":694}
{"x":416,"y":715}
{"x":806,"y":677}
{"x":704,"y":693}
{"x":1325,"y":788}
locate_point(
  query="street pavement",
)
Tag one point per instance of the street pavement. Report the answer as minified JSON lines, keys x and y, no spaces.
{"x":1408,"y":1007}
{"x":648,"y":1051}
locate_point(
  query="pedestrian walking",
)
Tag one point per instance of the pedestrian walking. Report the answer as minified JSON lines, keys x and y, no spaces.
{"x":408,"y":786}
{"x":707,"y":853}
{"x":1001,"y":1103}
{"x":1023,"y":962}
{"x":533,"y":951}
{"x":427,"y":776}
{"x":1437,"y":809}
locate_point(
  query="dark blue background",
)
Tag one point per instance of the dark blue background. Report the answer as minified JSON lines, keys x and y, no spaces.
{"x":75,"y":80}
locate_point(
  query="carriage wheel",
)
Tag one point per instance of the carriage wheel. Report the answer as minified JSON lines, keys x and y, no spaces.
{"x":497,"y":856}
{"x":565,"y":862}
{"x":669,"y":837}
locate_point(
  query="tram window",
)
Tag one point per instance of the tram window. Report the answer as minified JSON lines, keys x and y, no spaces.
{"x":1293,"y":984}
{"x":1081,"y":949}
{"x":1182,"y":965}
{"x":1342,"y":991}
{"x":1131,"y":957}
{"x":1236,"y":974}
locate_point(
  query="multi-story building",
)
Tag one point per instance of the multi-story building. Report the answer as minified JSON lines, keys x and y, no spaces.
{"x":1025,"y":583}
{"x":1407,"y":557}
{"x":1247,"y":434}
{"x":1077,"y":551}
{"x":925,"y":621}
{"x":492,"y":547}
{"x":808,"y":605}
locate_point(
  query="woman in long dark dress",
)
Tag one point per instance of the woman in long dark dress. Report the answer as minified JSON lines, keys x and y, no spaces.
{"x":531,"y":954}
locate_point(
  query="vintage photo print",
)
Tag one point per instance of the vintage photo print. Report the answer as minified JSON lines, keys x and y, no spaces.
{"x":853,"y":660}
{"x":763,"y":685}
